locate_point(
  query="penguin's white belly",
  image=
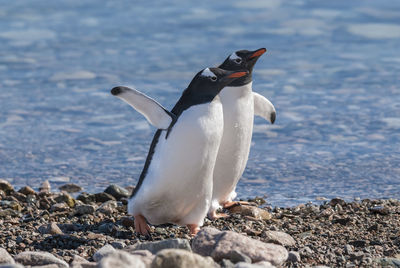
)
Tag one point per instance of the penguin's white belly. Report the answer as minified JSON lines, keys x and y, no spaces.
{"x":178,"y":185}
{"x":238,"y":109}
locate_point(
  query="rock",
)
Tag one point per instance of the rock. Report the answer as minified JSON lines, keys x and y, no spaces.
{"x":108,"y":207}
{"x":262,"y":264}
{"x":51,"y":228}
{"x":70,"y":188}
{"x":306,"y":251}
{"x":8,"y":212}
{"x":102,"y":252}
{"x":379,"y":210}
{"x":229,"y":241}
{"x":116,"y":191}
{"x":279,"y":238}
{"x":388,"y":262}
{"x":358,"y":243}
{"x":78,"y":260}
{"x":348,"y":249}
{"x":35,"y":258}
{"x":294,"y":256}
{"x":86,"y":198}
{"x":252,"y":211}
{"x":118,"y":244}
{"x":227,"y":263}
{"x":85,"y":209}
{"x":107,"y":228}
{"x":14,"y":265}
{"x":127,"y":222}
{"x":120,"y":259}
{"x":337,"y":201}
{"x":172,"y":258}
{"x":6,"y":186}
{"x":14,"y":205}
{"x":154,"y":247}
{"x":237,"y":256}
{"x":19,"y":196}
{"x":145,"y":255}
{"x":58,"y":207}
{"x":103,"y":197}
{"x":5,"y":257}
{"x":45,"y":187}
{"x":205,"y":241}
{"x":66,"y":198}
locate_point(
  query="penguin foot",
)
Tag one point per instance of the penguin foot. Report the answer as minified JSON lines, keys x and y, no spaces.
{"x":235,"y":203}
{"x":214,"y":215}
{"x":193,"y":228}
{"x":141,"y":225}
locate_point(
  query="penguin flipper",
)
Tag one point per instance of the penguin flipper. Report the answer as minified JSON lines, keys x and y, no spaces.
{"x":157,"y":115}
{"x":264,"y":108}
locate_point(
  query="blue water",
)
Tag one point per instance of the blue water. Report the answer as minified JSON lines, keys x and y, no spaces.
{"x":331,"y":70}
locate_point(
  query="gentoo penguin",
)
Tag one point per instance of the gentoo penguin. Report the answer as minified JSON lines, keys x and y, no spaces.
{"x":240,"y":104}
{"x":175,"y":185}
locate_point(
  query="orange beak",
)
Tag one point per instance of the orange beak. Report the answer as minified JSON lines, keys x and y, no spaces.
{"x":258,"y":53}
{"x":238,"y":74}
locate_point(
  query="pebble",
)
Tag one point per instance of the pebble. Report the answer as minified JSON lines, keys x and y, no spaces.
{"x":102,"y":252}
{"x":103,"y":197}
{"x":117,"y":191}
{"x":26,"y":190}
{"x":51,"y":228}
{"x":279,"y":238}
{"x":108,"y":207}
{"x":45,"y":187}
{"x":70,"y":188}
{"x":154,"y":247}
{"x":86,"y":198}
{"x":251,"y":211}
{"x":171,"y":258}
{"x":120,"y":259}
{"x":66,"y":198}
{"x":5,"y":257}
{"x":294,"y":256}
{"x":59,"y":207}
{"x":379,"y":210}
{"x":35,"y":258}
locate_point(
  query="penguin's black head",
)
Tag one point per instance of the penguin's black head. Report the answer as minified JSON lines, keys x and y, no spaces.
{"x":242,"y":60}
{"x":209,"y":82}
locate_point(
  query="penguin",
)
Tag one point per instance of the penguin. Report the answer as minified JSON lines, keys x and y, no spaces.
{"x":175,"y":185}
{"x":240,"y":104}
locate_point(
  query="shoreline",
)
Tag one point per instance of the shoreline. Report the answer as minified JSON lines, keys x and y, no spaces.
{"x":335,"y":234}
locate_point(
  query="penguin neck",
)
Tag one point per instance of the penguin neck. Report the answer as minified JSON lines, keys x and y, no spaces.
{"x":237,"y":91}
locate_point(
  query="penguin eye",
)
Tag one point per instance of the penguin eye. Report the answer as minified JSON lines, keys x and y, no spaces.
{"x":238,"y":60}
{"x":213,"y":78}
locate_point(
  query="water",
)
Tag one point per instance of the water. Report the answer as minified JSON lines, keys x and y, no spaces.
{"x":332,"y":71}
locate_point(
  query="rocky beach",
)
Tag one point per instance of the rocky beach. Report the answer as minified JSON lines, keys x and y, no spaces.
{"x":67,"y":227}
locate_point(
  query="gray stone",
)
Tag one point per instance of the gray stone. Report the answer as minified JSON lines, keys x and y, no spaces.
{"x":251,"y":211}
{"x":117,"y":191}
{"x":14,"y":265}
{"x":108,"y":207}
{"x":84,"y":209}
{"x":120,"y":259}
{"x":154,"y":247}
{"x":348,"y":249}
{"x":172,"y":258}
{"x":262,"y":264}
{"x":8,"y":212}
{"x":6,"y":186}
{"x":57,"y":207}
{"x":70,"y":188}
{"x":229,"y":241}
{"x":66,"y":198}
{"x":294,"y":256}
{"x":45,"y":187}
{"x":279,"y":238}
{"x":390,"y":262}
{"x":118,"y":244}
{"x":5,"y":257}
{"x":236,"y":256}
{"x":86,"y":198}
{"x":103,"y":197}
{"x":145,"y":255}
{"x":51,"y":228}
{"x":102,"y":252}
{"x":38,"y":258}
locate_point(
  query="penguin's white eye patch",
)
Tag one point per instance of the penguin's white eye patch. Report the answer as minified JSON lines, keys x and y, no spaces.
{"x":207,"y":73}
{"x":234,"y":57}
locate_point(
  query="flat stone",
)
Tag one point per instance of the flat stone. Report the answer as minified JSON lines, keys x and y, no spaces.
{"x":5,"y":257}
{"x":6,"y":186}
{"x":154,"y":247}
{"x":120,"y":259}
{"x":279,"y":238}
{"x":252,"y":211}
{"x":102,"y":252}
{"x":51,"y":228}
{"x":58,"y":207}
{"x":85,"y":209}
{"x":229,"y":241}
{"x":117,"y":191}
{"x":70,"y":188}
{"x":205,"y":241}
{"x":388,"y":262}
{"x":35,"y":258}
{"x":103,"y":197}
{"x":171,"y":258}
{"x":26,"y":190}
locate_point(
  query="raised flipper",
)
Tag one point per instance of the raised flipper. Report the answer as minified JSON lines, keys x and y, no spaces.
{"x":157,"y":115}
{"x":264,"y":108}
